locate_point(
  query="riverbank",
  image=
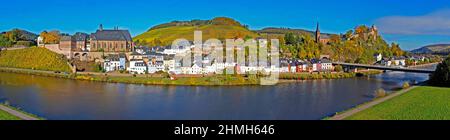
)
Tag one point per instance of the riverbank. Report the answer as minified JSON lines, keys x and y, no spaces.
{"x":424,"y":65}
{"x":415,"y":103}
{"x":11,"y":113}
{"x":325,"y":75}
{"x":207,"y":80}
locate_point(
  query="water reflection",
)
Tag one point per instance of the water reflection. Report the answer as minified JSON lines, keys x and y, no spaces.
{"x":55,"y":98}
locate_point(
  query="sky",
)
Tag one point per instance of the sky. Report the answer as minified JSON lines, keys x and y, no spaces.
{"x":411,"y":23}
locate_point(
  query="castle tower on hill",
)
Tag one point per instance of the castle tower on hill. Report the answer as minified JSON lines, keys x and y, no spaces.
{"x":374,"y":31}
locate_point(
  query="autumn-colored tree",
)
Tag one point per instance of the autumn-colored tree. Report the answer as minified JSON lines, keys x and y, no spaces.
{"x":50,"y":37}
{"x":335,"y":39}
{"x":361,"y":30}
{"x":396,"y":50}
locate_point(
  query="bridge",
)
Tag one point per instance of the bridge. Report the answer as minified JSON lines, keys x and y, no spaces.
{"x":352,"y":65}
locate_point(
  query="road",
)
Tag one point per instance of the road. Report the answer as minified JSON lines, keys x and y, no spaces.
{"x":368,"y":105}
{"x":21,"y":115}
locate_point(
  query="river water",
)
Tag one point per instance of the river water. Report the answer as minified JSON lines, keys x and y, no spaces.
{"x":63,"y":99}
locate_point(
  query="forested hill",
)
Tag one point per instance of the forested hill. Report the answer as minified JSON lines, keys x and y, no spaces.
{"x":355,"y":46}
{"x":273,"y":32}
{"x":17,"y":37}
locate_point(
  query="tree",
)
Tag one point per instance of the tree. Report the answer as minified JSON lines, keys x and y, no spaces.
{"x":441,"y":77}
{"x":361,"y":30}
{"x":50,"y":37}
{"x":338,"y":68}
{"x":396,"y":50}
{"x":290,"y":38}
{"x":5,"y":42}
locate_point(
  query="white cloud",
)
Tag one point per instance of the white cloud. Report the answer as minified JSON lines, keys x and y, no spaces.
{"x":435,"y":23}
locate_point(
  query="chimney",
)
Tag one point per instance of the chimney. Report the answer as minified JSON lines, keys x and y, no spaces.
{"x":100,"y":27}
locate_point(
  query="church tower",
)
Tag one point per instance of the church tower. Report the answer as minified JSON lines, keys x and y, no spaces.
{"x":317,"y":33}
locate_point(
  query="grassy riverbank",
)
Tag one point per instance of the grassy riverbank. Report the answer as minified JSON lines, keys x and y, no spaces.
{"x":4,"y":115}
{"x":327,"y":75}
{"x":421,"y":103}
{"x":191,"y":81}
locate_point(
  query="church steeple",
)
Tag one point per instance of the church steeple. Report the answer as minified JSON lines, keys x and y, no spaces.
{"x":100,"y":27}
{"x":317,"y":33}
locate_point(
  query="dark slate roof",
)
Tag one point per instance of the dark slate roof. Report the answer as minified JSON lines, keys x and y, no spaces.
{"x":113,"y":57}
{"x":66,"y":38}
{"x":325,"y":61}
{"x":112,"y":35}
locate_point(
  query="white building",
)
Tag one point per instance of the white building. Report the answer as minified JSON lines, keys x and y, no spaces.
{"x":378,"y":57}
{"x":112,"y":63}
{"x":326,"y":65}
{"x":40,"y":41}
{"x":196,"y":68}
{"x":151,"y":68}
{"x":177,"y":50}
{"x":400,"y":62}
{"x":186,"y":70}
{"x":137,"y":66}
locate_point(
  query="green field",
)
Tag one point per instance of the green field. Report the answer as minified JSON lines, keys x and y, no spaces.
{"x":34,"y":58}
{"x":6,"y":116}
{"x":422,"y":103}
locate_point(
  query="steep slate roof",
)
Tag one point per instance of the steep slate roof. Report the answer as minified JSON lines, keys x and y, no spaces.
{"x":112,"y":35}
{"x":66,"y":38}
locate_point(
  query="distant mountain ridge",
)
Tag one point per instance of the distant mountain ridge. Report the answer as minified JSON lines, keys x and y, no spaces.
{"x":197,"y":22}
{"x":433,"y":49}
{"x":22,"y":35}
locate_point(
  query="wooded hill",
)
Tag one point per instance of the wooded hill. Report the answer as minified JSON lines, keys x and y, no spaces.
{"x":17,"y":37}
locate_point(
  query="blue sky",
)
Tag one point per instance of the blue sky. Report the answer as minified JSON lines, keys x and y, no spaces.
{"x":411,"y":23}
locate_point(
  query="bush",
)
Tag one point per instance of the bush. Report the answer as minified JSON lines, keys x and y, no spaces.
{"x":338,"y":68}
{"x":380,"y":93}
{"x":405,"y":85}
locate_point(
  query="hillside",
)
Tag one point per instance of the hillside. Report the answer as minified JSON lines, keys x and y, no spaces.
{"x":280,"y":32}
{"x":220,"y":28}
{"x":434,"y":49}
{"x":34,"y":58}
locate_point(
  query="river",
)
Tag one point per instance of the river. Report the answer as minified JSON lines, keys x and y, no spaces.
{"x":63,"y":99}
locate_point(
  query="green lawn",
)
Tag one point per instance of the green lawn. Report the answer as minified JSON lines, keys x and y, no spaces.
{"x":6,"y":116}
{"x":422,"y":103}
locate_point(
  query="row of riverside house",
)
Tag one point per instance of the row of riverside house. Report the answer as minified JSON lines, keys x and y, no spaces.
{"x":312,"y":65}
